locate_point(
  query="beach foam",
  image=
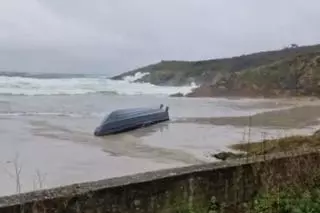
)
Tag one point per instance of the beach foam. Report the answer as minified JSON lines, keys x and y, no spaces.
{"x":85,"y":85}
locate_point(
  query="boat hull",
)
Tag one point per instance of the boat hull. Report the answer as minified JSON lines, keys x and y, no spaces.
{"x":130,"y":120}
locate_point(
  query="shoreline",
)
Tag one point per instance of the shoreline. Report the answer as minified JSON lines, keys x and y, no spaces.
{"x":161,"y":146}
{"x":253,"y":97}
{"x":288,"y":144}
{"x":298,"y":115}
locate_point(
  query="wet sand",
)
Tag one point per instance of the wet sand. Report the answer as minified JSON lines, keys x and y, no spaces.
{"x":296,"y":117}
{"x":56,"y":141}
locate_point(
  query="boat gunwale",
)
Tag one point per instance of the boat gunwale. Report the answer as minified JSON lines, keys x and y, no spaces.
{"x":122,"y":127}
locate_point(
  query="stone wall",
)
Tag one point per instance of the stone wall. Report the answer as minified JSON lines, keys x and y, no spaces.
{"x":173,"y":190}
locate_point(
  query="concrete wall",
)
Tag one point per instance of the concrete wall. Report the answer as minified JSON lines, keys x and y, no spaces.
{"x":174,"y":190}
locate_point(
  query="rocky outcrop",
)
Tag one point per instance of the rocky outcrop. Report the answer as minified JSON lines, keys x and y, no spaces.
{"x":179,"y":94}
{"x":317,"y":133}
{"x":228,"y":155}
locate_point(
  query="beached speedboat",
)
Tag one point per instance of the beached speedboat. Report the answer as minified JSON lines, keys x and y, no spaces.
{"x":128,"y":119}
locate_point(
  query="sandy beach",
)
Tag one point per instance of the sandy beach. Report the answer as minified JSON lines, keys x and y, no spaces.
{"x":50,"y":138}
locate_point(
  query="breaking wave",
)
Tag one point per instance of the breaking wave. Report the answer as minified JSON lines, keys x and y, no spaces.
{"x":51,"y":114}
{"x":18,"y":85}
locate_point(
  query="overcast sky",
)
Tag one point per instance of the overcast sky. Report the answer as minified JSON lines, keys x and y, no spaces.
{"x":113,"y":36}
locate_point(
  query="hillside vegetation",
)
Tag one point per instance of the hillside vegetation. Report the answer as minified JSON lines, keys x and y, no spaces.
{"x":290,"y":71}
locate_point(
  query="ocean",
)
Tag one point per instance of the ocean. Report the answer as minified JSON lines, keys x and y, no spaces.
{"x":47,"y":125}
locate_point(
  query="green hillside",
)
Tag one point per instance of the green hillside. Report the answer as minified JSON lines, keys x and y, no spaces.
{"x":296,"y":76}
{"x":292,"y":70}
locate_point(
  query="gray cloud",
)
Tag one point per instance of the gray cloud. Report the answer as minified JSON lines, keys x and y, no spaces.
{"x":111,"y":36}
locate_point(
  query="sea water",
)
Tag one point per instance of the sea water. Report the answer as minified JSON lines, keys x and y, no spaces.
{"x":47,"y":124}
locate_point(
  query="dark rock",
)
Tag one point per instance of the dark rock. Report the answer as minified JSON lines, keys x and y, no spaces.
{"x":179,"y":94}
{"x":317,"y":133}
{"x":228,"y":155}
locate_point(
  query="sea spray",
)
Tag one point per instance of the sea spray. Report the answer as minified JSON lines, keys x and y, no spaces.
{"x":85,"y":85}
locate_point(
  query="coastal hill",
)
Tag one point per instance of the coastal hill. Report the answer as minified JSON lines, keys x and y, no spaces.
{"x":290,"y":71}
